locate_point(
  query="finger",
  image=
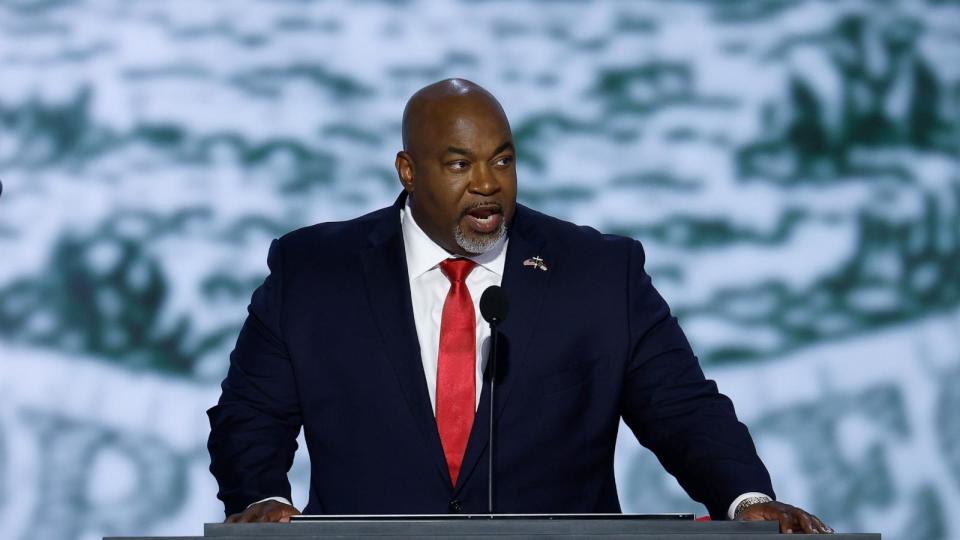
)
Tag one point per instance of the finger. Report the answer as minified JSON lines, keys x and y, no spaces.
{"x":787,"y":523}
{"x":806,"y":524}
{"x":251,"y":515}
{"x":268,"y":515}
{"x":821,"y":525}
{"x":287,"y":512}
{"x":818,"y":525}
{"x":275,"y":515}
{"x":279,"y":514}
{"x":233,"y":518}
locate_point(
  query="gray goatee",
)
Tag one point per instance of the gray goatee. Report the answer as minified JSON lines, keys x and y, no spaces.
{"x":482,"y":242}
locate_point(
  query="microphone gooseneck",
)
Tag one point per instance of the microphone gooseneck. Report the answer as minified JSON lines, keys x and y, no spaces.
{"x":493,"y":308}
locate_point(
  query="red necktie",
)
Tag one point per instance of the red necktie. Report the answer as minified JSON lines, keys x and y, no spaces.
{"x":456,"y":382}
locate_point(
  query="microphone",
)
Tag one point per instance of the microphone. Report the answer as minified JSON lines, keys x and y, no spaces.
{"x":493,"y":308}
{"x":493,"y":305}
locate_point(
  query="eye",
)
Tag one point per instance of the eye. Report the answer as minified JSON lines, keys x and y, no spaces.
{"x":458,"y":165}
{"x":504,"y":161}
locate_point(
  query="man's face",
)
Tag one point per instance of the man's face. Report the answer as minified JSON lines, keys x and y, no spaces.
{"x":460,"y":174}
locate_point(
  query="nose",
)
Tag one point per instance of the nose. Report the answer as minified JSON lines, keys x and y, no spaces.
{"x":484,"y":181}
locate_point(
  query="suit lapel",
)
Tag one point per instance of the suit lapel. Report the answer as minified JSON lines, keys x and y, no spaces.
{"x":388,"y":288}
{"x":525,"y":287}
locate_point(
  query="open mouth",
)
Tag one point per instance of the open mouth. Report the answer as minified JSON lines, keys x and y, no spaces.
{"x":484,"y":219}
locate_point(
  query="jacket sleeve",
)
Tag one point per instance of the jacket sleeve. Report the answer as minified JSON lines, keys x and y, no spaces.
{"x":676,"y":412}
{"x":254,"y":426}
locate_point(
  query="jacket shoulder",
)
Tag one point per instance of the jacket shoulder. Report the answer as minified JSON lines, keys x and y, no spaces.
{"x":335,"y":236}
{"x":576,"y":237}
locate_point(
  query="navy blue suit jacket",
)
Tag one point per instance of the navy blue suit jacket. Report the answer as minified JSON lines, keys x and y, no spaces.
{"x":330,"y":345}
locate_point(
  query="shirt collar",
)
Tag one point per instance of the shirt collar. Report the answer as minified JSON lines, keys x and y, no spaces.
{"x":423,"y":254}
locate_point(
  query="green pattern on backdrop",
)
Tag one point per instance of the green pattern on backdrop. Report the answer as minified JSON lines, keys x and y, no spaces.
{"x":791,"y":167}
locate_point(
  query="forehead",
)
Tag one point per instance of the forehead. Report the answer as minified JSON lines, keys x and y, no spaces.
{"x":475,"y":124}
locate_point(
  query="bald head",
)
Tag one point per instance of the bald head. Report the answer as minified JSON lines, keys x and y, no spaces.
{"x":457,"y":166}
{"x":444,"y":101}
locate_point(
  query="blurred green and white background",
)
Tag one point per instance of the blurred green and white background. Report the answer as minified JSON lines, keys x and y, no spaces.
{"x":791,"y":167}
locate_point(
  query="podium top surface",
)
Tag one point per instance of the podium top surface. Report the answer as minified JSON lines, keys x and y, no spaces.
{"x":457,"y":517}
{"x":506,"y":527}
{"x":487,"y":525}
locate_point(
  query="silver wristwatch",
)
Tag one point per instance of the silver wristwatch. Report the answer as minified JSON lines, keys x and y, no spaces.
{"x":748,"y":502}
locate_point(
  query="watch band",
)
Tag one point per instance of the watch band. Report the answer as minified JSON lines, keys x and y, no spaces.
{"x":748,"y":502}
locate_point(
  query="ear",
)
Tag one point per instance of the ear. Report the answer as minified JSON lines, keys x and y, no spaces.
{"x":405,"y":170}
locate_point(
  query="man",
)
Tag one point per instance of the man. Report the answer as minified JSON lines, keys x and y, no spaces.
{"x":366,"y":334}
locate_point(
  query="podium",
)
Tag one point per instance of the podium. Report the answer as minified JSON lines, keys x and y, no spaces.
{"x":608,"y":526}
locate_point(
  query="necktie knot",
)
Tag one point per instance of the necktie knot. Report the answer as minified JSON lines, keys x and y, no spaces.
{"x":457,"y":270}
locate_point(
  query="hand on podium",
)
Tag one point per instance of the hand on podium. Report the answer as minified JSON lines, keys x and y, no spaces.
{"x":791,"y":518}
{"x":268,"y":511}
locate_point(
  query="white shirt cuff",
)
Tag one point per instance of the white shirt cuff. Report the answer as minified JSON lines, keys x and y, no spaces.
{"x":278,"y":499}
{"x":736,"y":502}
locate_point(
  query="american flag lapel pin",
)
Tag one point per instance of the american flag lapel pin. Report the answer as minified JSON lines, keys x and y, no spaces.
{"x":535,"y":262}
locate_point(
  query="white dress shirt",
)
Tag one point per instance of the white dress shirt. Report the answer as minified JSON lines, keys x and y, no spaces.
{"x":428,"y":290}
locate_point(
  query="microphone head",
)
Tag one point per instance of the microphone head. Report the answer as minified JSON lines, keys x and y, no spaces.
{"x":493,"y":305}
